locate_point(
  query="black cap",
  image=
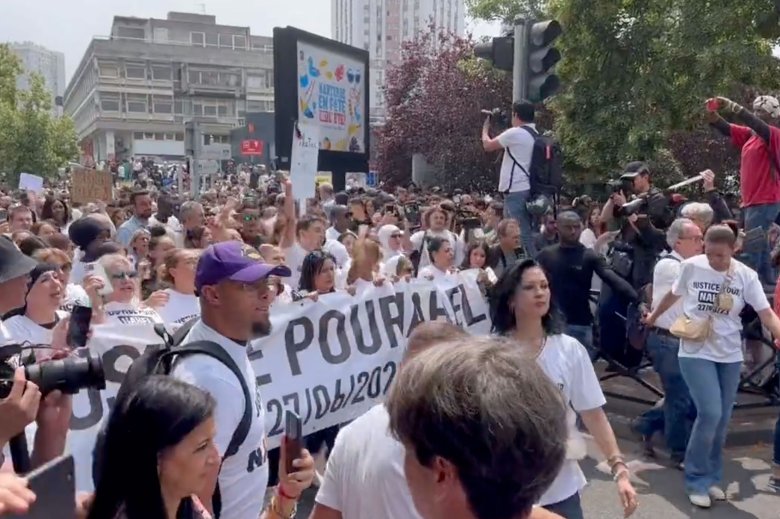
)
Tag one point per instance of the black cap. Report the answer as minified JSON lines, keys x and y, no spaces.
{"x":634,"y":169}
{"x":13,"y":264}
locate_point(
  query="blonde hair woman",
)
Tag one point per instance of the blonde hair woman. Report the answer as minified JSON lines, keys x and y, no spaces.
{"x":177,"y":272}
{"x":122,"y":305}
{"x":366,"y":257}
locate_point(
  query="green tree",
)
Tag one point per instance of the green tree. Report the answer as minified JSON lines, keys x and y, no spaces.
{"x":506,"y":10}
{"x":636,"y":73}
{"x":31,"y":140}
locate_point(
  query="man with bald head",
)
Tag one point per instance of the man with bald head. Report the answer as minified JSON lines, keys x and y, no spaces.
{"x":570,"y":267}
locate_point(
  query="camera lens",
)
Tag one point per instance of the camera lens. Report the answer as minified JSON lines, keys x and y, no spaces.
{"x":67,"y":375}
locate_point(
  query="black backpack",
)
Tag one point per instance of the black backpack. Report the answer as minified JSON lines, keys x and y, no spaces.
{"x":546,"y":172}
{"x":158,"y":359}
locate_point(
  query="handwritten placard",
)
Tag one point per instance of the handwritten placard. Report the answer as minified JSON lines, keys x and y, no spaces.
{"x":89,"y":185}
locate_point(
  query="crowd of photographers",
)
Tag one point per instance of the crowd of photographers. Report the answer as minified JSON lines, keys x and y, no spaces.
{"x":666,"y":270}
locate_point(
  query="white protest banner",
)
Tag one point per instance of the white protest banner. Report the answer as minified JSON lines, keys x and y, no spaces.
{"x":329,"y":361}
{"x":30,"y":182}
{"x":303,"y":160}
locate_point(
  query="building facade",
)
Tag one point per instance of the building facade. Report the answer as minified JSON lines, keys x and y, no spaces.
{"x":134,"y":90}
{"x":48,"y":63}
{"x":382,"y":26}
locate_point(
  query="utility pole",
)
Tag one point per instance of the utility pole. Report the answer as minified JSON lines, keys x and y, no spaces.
{"x":520,"y":61}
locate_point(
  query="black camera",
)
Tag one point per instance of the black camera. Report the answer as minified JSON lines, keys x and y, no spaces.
{"x":497,"y":116}
{"x":635,"y":206}
{"x":69,"y":375}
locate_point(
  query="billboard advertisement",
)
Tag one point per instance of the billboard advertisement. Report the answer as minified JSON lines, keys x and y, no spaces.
{"x":322,"y":83}
{"x":331,"y":90}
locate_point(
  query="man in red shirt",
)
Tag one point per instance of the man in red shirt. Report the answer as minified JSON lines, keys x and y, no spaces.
{"x":759,"y":170}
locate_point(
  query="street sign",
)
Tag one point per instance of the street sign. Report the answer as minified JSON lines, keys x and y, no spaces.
{"x":215,"y":152}
{"x":208,"y":167}
{"x":252,"y":147}
{"x":372,"y":179}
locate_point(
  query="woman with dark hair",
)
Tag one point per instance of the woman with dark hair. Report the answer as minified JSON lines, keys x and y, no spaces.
{"x":318,"y":276}
{"x":198,"y":238}
{"x":157,"y":454}
{"x":57,"y":210}
{"x":442,"y":256}
{"x":477,"y":257}
{"x":520,"y":308}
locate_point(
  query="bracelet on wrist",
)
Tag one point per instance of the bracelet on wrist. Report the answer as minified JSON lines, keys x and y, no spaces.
{"x":617,"y":458}
{"x":620,"y":473}
{"x":275,"y":507}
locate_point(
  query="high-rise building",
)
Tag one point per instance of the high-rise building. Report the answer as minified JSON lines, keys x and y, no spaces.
{"x":133,"y":91}
{"x":381,"y":27}
{"x":48,"y":63}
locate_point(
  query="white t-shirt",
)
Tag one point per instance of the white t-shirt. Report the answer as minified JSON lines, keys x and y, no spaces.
{"x":5,"y":337}
{"x":74,"y":295}
{"x":455,"y":242}
{"x":338,"y":250}
{"x":666,"y":272}
{"x":173,"y":228}
{"x":21,"y":328}
{"x":698,"y":285}
{"x":568,"y":365}
{"x":365,"y":473}
{"x":243,"y":477}
{"x":521,"y":144}
{"x":294,"y":256}
{"x":179,"y":309}
{"x":124,"y":313}
{"x":332,"y":234}
{"x":588,"y":238}
{"x":432,"y":273}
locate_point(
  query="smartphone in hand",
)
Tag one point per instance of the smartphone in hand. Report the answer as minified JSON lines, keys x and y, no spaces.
{"x":54,"y":485}
{"x":78,"y":328}
{"x":293,"y":440}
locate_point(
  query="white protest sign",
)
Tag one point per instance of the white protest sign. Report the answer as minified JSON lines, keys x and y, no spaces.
{"x":329,"y":361}
{"x":30,"y":182}
{"x":303,"y":160}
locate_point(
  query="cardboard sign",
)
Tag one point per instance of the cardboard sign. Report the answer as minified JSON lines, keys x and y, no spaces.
{"x":89,"y":185}
{"x":29,"y":182}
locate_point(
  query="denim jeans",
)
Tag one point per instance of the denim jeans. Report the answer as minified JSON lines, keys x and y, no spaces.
{"x":678,"y":409}
{"x":584,"y":334}
{"x":762,"y":216}
{"x":713,"y":387}
{"x":569,"y":508}
{"x":514,"y":207}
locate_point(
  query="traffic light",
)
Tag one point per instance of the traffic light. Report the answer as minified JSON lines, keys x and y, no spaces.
{"x":542,"y":82}
{"x":499,"y":51}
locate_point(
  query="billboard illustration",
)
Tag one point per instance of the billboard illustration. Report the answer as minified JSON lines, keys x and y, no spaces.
{"x":331,"y":90}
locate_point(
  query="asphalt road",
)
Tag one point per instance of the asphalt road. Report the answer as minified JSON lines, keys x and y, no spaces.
{"x":661,"y":494}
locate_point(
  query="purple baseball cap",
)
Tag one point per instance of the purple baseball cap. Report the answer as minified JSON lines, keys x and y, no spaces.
{"x":235,"y":261}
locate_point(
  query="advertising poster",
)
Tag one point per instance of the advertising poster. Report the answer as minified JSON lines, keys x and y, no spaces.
{"x":303,"y":163}
{"x":331,"y":94}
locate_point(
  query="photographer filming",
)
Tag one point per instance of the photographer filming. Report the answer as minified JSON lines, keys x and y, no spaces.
{"x":633,"y":254}
{"x":24,"y":403}
{"x":514,"y":180}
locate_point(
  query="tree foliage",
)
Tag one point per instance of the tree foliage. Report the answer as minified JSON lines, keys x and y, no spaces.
{"x":506,"y":10}
{"x":433,"y":99}
{"x":31,"y":140}
{"x":636,"y":73}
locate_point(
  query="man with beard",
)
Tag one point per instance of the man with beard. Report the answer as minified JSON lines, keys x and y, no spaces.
{"x":235,"y":296}
{"x":142,"y":211}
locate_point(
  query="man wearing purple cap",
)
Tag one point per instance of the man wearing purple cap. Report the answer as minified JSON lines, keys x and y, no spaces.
{"x":232,"y":283}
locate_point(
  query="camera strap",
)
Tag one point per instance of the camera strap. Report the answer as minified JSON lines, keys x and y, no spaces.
{"x":512,"y":173}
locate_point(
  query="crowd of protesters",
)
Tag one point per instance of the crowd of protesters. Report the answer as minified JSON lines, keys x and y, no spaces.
{"x":669,"y":269}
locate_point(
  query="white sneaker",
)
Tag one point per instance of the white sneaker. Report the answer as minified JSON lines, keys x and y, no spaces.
{"x":700,"y":500}
{"x":717,"y":493}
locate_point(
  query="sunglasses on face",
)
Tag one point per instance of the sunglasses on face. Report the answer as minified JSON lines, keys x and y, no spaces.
{"x":124,"y":275}
{"x":395,"y":235}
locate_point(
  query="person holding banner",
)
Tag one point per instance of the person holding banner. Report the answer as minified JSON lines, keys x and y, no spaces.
{"x":121,"y":305}
{"x":442,"y":258}
{"x":318,"y":276}
{"x":520,"y":307}
{"x":363,"y":269}
{"x":391,"y":240}
{"x":178,"y":272}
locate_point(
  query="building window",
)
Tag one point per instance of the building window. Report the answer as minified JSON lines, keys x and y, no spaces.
{"x":212,"y":40}
{"x":177,"y":106}
{"x":139,"y":136}
{"x":136,"y":33}
{"x":256,"y":82}
{"x":198,"y":39}
{"x":209,"y":111}
{"x":133,"y":71}
{"x":137,"y":103}
{"x":108,"y":70}
{"x":239,"y":42}
{"x":109,"y":102}
{"x":162,"y":105}
{"x":180,"y":137}
{"x":161,"y":72}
